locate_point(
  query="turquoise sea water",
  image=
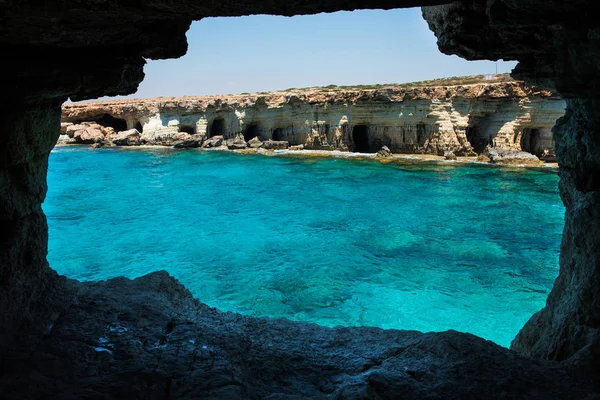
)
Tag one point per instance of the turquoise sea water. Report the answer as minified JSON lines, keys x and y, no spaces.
{"x":335,"y":242}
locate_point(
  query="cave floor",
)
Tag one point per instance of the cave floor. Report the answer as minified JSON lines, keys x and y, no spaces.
{"x":149,"y":338}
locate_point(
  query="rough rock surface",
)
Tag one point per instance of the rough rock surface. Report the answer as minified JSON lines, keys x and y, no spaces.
{"x":557,"y":45}
{"x":184,"y":140}
{"x":448,"y":155}
{"x":87,"y":132}
{"x":463,"y":119}
{"x":149,"y":338}
{"x":509,"y":156}
{"x":237,"y":143}
{"x":254,"y":143}
{"x":215,"y":141}
{"x":129,"y":137}
{"x":384,"y":152}
{"x":275,"y":144}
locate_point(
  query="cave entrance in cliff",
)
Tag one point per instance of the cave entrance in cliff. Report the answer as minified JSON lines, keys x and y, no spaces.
{"x":217,"y":127}
{"x":474,"y":135}
{"x":360,"y":137}
{"x":139,"y":127}
{"x":421,"y":135}
{"x":277,"y":134}
{"x":189,"y":129}
{"x":251,"y":132}
{"x":475,"y":139}
{"x":530,"y":141}
{"x":108,"y":121}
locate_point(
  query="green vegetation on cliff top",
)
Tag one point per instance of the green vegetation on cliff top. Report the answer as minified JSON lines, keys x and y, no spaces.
{"x":451,"y":81}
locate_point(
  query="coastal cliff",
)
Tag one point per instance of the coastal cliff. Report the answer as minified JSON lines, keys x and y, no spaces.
{"x":464,"y":119}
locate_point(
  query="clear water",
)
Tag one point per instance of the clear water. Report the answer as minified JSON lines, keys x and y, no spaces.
{"x":335,"y":242}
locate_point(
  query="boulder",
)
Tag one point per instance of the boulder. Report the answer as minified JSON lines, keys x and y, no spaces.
{"x":157,"y":138}
{"x":384,"y":152}
{"x":449,"y":155}
{"x":237,"y":143}
{"x":64,"y":126}
{"x":548,"y":156}
{"x":215,"y":141}
{"x":86,"y":133}
{"x":129,"y":137}
{"x":510,"y":156}
{"x":65,"y":139}
{"x":298,"y":147}
{"x":275,"y":144}
{"x":254,"y":143}
{"x":182,"y":140}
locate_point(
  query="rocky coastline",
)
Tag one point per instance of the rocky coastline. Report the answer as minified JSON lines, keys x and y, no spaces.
{"x":504,"y":122}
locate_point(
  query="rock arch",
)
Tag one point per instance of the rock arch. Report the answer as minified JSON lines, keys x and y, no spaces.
{"x":559,"y":49}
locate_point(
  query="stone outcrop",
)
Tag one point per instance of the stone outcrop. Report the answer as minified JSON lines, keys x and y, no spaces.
{"x":509,"y":156}
{"x":463,"y":119}
{"x":557,"y":45}
{"x":150,"y":339}
{"x":80,"y":50}
{"x":130,"y":137}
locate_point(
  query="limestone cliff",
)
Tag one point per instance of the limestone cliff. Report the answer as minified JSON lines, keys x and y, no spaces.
{"x":431,"y":120}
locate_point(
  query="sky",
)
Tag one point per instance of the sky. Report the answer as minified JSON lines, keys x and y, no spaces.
{"x":263,"y":53}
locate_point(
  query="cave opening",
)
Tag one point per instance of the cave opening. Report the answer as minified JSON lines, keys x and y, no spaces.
{"x":251,"y":132}
{"x":530,"y":141}
{"x":109,"y":121}
{"x":139,"y":127}
{"x":189,"y":129}
{"x":217,"y":127}
{"x":421,"y":135}
{"x":360,"y":137}
{"x":277,"y":134}
{"x":476,"y":139}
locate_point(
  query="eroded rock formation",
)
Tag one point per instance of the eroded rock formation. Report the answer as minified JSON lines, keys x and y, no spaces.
{"x":150,"y":339}
{"x":56,"y":50}
{"x":463,"y":119}
{"x":557,"y":45}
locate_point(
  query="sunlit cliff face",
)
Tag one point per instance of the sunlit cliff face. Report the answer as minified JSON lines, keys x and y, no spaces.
{"x":57,"y":50}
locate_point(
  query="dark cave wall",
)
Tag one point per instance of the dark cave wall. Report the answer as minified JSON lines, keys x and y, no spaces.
{"x":29,"y":289}
{"x":558,"y":46}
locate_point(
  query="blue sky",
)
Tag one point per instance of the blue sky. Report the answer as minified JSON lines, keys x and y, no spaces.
{"x":264,"y":53}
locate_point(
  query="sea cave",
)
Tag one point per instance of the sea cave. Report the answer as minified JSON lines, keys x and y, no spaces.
{"x":150,"y":338}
